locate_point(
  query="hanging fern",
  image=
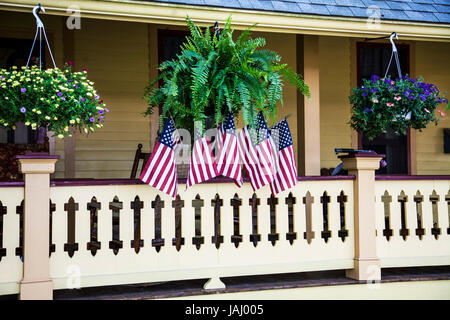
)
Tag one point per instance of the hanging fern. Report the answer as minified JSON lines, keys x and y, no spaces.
{"x":216,"y":75}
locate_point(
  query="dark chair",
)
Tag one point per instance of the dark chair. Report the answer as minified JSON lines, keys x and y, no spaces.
{"x":137,"y":157}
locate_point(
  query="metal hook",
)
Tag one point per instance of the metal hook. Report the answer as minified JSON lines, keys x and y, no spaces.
{"x":394,"y":34}
{"x":36,"y":10}
{"x":217,"y":29}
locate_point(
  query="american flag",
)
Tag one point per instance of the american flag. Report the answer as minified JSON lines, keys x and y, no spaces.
{"x":160,"y":171}
{"x":202,"y":166}
{"x":256,"y":152}
{"x":228,"y":159}
{"x":286,"y":168}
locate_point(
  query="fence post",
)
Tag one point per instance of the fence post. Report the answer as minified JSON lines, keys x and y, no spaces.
{"x":363,"y":165}
{"x":36,"y":283}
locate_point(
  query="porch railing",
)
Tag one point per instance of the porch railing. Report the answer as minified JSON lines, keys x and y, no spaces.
{"x":109,"y":232}
{"x":413,"y":220}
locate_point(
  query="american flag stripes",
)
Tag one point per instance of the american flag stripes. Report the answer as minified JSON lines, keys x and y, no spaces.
{"x":286,"y":168}
{"x":228,"y":158}
{"x":256,"y":152}
{"x":160,"y":171}
{"x":202,"y":166}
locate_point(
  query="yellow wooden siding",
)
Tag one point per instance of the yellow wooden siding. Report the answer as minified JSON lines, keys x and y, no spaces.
{"x":116,"y":56}
{"x":335,"y":132}
{"x":285,"y":46}
{"x":433,"y":63}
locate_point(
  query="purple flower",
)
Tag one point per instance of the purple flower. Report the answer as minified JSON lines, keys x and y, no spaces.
{"x":23,"y":90}
{"x":82,"y":99}
{"x":101,"y":111}
{"x":23,"y":110}
{"x":59,"y":94}
{"x":62,"y":98}
{"x":2,"y":78}
{"x":102,"y":118}
{"x":92,"y":119}
{"x":75,"y":86}
{"x":374,"y":77}
{"x":367,"y":110}
{"x":106,"y":109}
{"x":364,"y":94}
{"x":97,"y":97}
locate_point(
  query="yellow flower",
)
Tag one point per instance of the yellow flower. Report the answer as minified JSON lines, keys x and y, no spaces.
{"x":55,"y":118}
{"x":47,"y":118}
{"x":14,"y":127}
{"x":27,"y":123}
{"x":85,"y":130}
{"x":38,"y":112}
{"x":60,"y":136}
{"x":72,"y":121}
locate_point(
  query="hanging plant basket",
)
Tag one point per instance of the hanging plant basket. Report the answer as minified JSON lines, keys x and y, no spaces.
{"x":53,"y":98}
{"x":215,"y":74}
{"x":381,"y":104}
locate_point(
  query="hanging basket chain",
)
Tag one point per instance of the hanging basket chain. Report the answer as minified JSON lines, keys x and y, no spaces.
{"x":39,"y":30}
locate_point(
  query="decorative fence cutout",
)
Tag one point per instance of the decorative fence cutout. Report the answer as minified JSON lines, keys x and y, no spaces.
{"x":217,"y":238}
{"x":404,"y":231}
{"x":236,"y":238}
{"x":3,"y":211}
{"x":343,"y":232}
{"x":387,"y":199}
{"x":157,"y":242}
{"x":19,"y":249}
{"x":137,"y":243}
{"x":447,"y":198}
{"x":291,"y":235}
{"x":115,"y":206}
{"x":197,"y":204}
{"x":178,"y":241}
{"x":93,"y":245}
{"x":273,"y":236}
{"x":52,"y":208}
{"x":71,"y":207}
{"x":434,"y":198}
{"x":325,"y":200}
{"x":418,"y":199}
{"x":254,"y":203}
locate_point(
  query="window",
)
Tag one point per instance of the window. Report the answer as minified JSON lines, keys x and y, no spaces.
{"x":373,"y":58}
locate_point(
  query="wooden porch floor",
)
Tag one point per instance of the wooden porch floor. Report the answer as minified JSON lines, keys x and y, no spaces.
{"x":249,"y":283}
{"x":188,"y":288}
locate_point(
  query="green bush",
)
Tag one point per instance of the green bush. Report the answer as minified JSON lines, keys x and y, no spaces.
{"x":214,"y":75}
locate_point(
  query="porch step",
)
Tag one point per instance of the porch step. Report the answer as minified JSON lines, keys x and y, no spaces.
{"x":187,"y":288}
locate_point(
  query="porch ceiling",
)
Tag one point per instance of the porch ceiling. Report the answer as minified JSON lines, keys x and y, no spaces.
{"x":269,"y":21}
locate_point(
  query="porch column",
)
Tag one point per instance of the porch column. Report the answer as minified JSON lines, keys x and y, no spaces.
{"x":36,"y":283}
{"x":308,"y":109}
{"x":363,"y":166}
